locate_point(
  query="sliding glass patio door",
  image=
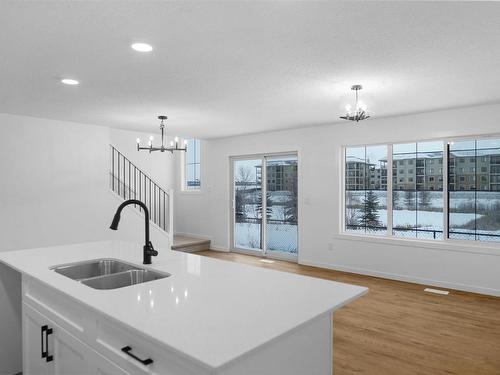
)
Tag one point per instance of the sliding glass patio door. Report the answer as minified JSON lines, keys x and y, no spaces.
{"x":264,"y":205}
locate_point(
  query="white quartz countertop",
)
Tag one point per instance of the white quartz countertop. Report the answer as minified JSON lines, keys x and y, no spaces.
{"x":210,"y":310}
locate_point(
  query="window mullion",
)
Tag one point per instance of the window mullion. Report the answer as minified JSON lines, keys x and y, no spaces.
{"x":446,"y":197}
{"x":389,"y":190}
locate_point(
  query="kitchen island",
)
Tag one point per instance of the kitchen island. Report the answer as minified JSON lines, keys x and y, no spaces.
{"x":208,"y":317}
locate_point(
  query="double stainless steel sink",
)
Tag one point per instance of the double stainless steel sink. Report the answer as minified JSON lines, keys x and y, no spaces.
{"x":108,"y":273}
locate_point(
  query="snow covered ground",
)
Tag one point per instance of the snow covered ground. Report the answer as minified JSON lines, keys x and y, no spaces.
{"x":280,"y":237}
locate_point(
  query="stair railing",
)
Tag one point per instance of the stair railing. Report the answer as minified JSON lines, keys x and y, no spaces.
{"x":130,"y":182}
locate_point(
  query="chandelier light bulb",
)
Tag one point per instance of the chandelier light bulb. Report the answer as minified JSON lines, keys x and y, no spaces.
{"x":138,"y":140}
{"x":176,"y":139}
{"x":150,"y":143}
{"x":348,"y":108}
{"x":185,"y":142}
{"x":151,"y":138}
{"x":171,"y":143}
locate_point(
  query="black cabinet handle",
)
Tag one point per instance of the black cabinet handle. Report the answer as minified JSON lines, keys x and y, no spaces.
{"x":45,"y":352}
{"x":128,"y":350}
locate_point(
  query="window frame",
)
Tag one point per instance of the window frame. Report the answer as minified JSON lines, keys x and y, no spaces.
{"x":184,"y":189}
{"x":388,"y":186}
{"x":474,"y":246}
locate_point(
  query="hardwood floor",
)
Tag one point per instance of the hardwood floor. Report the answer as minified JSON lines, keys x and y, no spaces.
{"x":398,"y":329}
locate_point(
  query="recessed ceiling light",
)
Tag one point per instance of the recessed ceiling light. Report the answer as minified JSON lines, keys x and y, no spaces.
{"x":142,"y":47}
{"x":69,"y":81}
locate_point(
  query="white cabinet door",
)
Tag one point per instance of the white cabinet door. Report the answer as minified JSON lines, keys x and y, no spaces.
{"x":34,"y":343}
{"x":50,"y":349}
{"x":71,"y":356}
{"x":65,"y":354}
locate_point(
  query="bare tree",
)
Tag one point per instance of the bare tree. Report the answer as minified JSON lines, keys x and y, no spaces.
{"x":352,"y":215}
{"x":244,"y":176}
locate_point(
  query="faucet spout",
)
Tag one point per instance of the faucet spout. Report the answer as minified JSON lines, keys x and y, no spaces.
{"x":148,"y":249}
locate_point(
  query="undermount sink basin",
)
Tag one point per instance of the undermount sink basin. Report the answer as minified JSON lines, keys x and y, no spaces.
{"x":93,"y":268}
{"x":119,"y":280}
{"x":108,"y":273}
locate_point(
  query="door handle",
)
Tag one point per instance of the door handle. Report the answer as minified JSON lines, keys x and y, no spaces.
{"x":128,"y":350}
{"x":45,"y":352}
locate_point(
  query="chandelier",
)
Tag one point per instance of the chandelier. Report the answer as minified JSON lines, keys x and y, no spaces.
{"x":174,"y":145}
{"x":359,"y":112}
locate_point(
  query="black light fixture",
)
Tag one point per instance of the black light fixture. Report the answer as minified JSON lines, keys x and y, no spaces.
{"x":174,"y":145}
{"x":360,"y":111}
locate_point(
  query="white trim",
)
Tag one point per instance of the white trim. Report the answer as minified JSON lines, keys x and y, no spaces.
{"x":389,"y":192}
{"x":437,"y":291}
{"x":445,"y":192}
{"x":435,"y":139}
{"x":342,"y":170}
{"x":488,"y":248}
{"x":263,"y":198}
{"x":171,"y":216}
{"x":404,"y":278}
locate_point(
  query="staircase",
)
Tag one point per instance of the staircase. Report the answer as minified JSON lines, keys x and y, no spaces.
{"x":190,"y":244}
{"x":129,"y":182}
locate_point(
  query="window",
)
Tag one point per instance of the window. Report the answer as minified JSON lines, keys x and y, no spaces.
{"x":366,"y":198}
{"x":192,"y":162}
{"x":419,"y":202}
{"x":474,"y":211}
{"x":417,"y":208}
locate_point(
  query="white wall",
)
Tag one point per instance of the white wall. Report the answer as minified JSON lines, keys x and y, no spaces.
{"x":462,"y":267}
{"x":54,"y":189}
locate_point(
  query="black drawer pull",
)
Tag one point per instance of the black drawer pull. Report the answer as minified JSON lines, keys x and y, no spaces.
{"x":128,"y":350}
{"x":45,"y":352}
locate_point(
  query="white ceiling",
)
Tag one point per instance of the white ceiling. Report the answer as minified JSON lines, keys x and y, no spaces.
{"x":228,"y":68}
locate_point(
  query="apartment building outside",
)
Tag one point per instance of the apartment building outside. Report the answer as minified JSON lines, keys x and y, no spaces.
{"x":426,"y":173}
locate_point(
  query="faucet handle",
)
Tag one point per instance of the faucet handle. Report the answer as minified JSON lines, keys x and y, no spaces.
{"x":152,"y":250}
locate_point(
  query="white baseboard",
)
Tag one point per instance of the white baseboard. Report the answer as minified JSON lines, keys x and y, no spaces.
{"x":408,"y":279}
{"x":193,"y":235}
